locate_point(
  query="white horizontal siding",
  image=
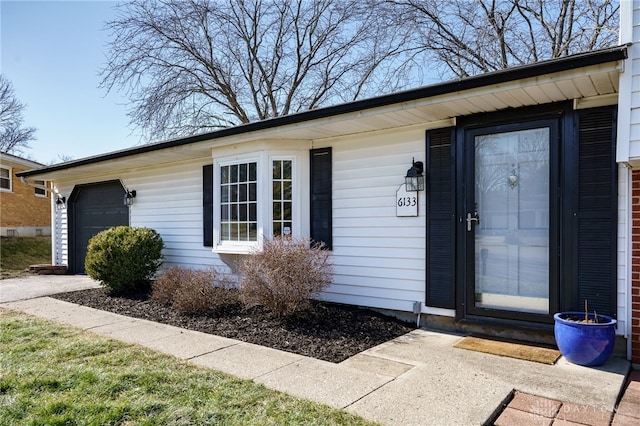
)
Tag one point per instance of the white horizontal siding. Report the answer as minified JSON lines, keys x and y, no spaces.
{"x":383,"y":291}
{"x":378,"y":258}
{"x":382,"y":274}
{"x":385,"y":255}
{"x":398,"y":231}
{"x":629,"y":114}
{"x":363,"y":299}
{"x":169,"y":200}
{"x":372,"y":262}
{"x":405,"y":244}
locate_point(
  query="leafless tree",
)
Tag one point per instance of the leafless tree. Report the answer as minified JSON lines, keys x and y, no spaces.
{"x":190,"y":66}
{"x":14,"y":137}
{"x":471,"y":37}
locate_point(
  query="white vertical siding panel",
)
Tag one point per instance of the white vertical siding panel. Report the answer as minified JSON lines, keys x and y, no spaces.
{"x":384,"y":268}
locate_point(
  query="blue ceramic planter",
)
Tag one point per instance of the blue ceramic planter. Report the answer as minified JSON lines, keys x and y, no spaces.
{"x":583,"y":343}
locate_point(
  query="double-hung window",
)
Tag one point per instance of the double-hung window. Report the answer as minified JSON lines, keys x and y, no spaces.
{"x":41,"y":189}
{"x":5,"y":179}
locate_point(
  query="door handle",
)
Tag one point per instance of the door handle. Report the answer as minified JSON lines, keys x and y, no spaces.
{"x":472,"y":218}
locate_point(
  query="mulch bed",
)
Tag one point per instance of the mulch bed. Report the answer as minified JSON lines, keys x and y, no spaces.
{"x":326,"y":331}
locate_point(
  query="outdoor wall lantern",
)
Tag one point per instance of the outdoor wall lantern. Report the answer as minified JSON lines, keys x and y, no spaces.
{"x":414,"y":180}
{"x":128,"y":197}
{"x":61,"y":202}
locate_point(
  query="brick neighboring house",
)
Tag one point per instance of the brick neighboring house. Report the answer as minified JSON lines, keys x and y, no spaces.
{"x":25,"y":210}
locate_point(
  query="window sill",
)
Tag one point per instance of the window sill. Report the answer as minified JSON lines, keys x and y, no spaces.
{"x":236,"y":249}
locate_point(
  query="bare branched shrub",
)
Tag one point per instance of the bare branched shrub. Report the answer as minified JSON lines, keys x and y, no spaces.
{"x":285,"y":275}
{"x":164,"y":287}
{"x":200,"y":295}
{"x":191,"y":291}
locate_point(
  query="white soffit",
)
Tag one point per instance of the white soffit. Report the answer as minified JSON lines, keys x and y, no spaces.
{"x":589,"y":86}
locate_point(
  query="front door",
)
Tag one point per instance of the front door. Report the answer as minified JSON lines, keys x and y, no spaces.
{"x":508,"y":221}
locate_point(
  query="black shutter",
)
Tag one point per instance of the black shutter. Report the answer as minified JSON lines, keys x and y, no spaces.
{"x":207,"y":205}
{"x":597,"y":220}
{"x":440,"y":219}
{"x":321,"y":196}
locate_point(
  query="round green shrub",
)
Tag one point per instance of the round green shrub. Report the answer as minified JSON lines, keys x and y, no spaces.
{"x":124,"y":258}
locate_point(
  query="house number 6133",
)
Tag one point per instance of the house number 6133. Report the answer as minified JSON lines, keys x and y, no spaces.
{"x":407,"y":201}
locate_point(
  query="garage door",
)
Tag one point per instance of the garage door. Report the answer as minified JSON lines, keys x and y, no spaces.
{"x":92,"y":209}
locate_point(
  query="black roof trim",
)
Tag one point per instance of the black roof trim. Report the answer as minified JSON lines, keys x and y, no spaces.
{"x":502,"y":76}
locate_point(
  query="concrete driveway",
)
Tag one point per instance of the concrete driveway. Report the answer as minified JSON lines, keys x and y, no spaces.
{"x":31,"y":286}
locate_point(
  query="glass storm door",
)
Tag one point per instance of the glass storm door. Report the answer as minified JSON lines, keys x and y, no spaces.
{"x":507,"y":222}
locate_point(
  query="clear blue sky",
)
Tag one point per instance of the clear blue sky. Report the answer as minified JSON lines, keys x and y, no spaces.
{"x":52,"y":52}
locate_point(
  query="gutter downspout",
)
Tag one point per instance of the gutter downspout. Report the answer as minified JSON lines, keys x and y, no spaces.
{"x":628,"y":227}
{"x":35,"y":185}
{"x":54,"y":228}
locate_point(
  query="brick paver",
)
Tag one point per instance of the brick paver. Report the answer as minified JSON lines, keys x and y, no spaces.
{"x":512,"y":417}
{"x":535,"y":405}
{"x":622,"y":420}
{"x":629,"y":407}
{"x":526,"y":409}
{"x":585,"y":415}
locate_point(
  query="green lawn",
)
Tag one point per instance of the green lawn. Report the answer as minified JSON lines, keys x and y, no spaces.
{"x":57,"y":375}
{"x":17,"y":253}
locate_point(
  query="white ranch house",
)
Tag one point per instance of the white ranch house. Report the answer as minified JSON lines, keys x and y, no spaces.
{"x":531,"y":201}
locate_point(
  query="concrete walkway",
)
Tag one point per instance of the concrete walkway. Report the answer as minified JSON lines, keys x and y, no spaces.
{"x":416,"y":379}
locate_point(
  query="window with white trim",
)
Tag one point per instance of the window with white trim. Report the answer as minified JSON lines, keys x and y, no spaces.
{"x":239,"y":202}
{"x":40,"y":190}
{"x":255,"y":196}
{"x":5,"y":179}
{"x":282,"y":197}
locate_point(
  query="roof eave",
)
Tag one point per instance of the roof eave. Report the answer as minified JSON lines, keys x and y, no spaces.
{"x":602,"y":56}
